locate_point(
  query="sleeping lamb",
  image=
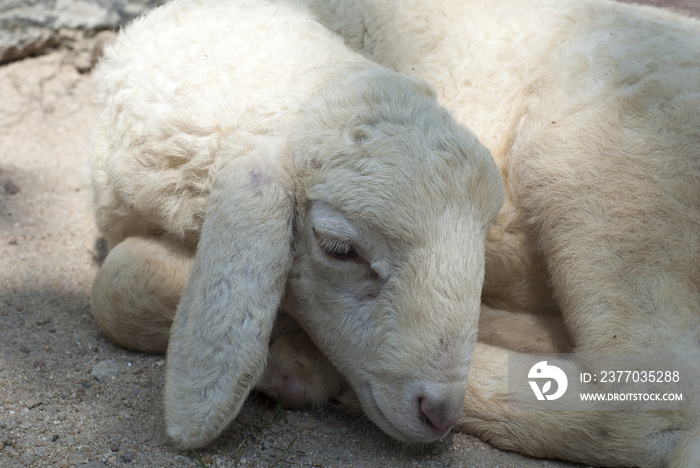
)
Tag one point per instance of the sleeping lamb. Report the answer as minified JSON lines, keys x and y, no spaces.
{"x":245,"y":162}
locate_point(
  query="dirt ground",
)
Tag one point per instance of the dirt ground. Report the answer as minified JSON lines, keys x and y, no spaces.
{"x":68,"y":397}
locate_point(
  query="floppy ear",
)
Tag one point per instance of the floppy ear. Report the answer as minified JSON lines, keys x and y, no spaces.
{"x":220,"y":337}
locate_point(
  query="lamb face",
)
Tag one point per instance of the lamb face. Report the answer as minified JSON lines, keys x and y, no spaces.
{"x":389,"y":256}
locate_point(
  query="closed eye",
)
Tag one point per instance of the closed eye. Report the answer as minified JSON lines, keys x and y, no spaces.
{"x":335,"y":248}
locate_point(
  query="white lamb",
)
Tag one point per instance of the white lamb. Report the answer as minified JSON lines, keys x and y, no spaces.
{"x":355,"y":204}
{"x":591,"y":109}
{"x":246,"y":155}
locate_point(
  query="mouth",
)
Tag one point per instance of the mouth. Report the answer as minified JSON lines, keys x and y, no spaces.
{"x":408,"y":427}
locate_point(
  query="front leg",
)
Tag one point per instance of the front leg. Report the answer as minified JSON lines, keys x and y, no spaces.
{"x":136,"y":291}
{"x":298,"y":374}
{"x":607,"y":438}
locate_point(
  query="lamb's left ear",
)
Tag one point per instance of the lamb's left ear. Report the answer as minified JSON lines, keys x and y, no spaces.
{"x":219,"y":340}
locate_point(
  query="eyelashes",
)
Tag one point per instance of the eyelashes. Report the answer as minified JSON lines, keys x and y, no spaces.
{"x":335,"y":248}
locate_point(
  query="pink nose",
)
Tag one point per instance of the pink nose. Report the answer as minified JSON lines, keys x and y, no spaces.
{"x":443,"y":407}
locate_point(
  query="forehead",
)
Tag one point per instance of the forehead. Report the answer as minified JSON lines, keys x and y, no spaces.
{"x":400,"y":184}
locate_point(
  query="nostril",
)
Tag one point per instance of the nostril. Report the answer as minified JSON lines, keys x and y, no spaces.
{"x":437,"y":415}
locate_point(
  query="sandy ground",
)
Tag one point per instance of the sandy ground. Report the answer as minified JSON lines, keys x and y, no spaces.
{"x":68,"y":397}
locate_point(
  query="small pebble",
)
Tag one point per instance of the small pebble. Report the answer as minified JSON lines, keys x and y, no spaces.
{"x":93,"y":464}
{"x":27,"y":458}
{"x":11,"y":188}
{"x":310,"y":424}
{"x":33,"y":403}
{"x":105,"y":370}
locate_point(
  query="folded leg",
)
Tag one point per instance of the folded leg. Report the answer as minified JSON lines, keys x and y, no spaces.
{"x":136,"y":292}
{"x":297,"y":373}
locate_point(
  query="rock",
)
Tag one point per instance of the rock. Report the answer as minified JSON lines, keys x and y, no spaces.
{"x":105,"y":370}
{"x":93,"y":464}
{"x":31,"y":27}
{"x":83,"y":14}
